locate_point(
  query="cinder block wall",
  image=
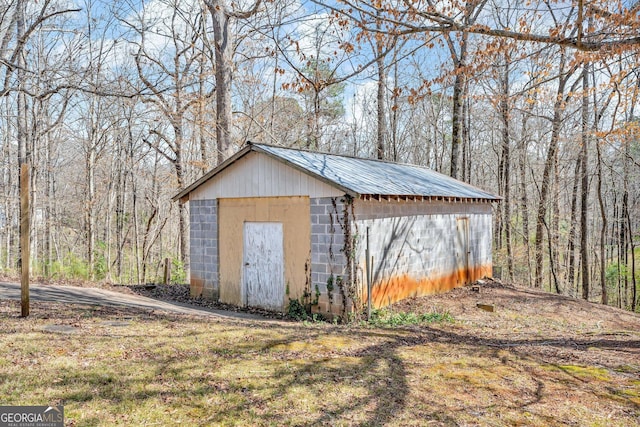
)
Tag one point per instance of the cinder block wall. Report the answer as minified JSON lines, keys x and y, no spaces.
{"x":203,"y":239}
{"x":416,"y":245}
{"x":328,"y":260}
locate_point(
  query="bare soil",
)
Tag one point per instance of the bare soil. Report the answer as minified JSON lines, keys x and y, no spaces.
{"x":555,"y":327}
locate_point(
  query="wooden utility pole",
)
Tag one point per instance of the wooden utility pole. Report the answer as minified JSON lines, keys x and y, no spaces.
{"x":23,"y":162}
{"x":24,"y":239}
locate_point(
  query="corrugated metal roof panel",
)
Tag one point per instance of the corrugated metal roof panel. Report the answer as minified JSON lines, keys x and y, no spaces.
{"x":374,"y":177}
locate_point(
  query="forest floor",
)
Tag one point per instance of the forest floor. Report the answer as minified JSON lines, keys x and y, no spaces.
{"x":536,"y":359}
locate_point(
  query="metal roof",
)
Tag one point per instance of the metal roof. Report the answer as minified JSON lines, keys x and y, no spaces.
{"x":361,"y":177}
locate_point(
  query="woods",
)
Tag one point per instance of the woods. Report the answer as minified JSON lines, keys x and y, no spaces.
{"x":115,"y":107}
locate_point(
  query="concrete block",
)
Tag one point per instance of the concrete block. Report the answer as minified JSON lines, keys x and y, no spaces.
{"x":336,"y":269}
{"x":318,"y":209}
{"x":325,"y":219}
{"x":319,"y":268}
{"x":197,"y":251}
{"x":318,"y":229}
{"x":338,"y":239}
{"x":211,"y":251}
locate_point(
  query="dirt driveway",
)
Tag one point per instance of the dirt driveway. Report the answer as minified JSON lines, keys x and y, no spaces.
{"x":104,"y":297}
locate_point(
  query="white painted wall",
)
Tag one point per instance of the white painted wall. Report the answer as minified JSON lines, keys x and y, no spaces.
{"x":421,"y":239}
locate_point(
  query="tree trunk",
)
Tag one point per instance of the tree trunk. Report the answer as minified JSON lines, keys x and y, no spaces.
{"x":381,"y":128}
{"x":549,"y":166}
{"x":603,"y":229}
{"x":7,"y":206}
{"x":23,"y":164}
{"x":506,"y":162}
{"x":634,"y":284}
{"x":622,"y":239}
{"x":223,"y":43}
{"x":394,"y":110}
{"x":120,"y":208}
{"x":456,"y":131}
{"x":204,"y":151}
{"x":381,"y":133}
{"x":89,"y":206}
{"x":584,"y":195}
{"x":554,"y":229}
{"x":183,"y":219}
{"x":571,"y":255}
{"x":524,"y":200}
{"x":49,"y":190}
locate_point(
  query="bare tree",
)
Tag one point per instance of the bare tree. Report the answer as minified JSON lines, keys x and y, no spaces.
{"x":167,"y":58}
{"x":223,"y":15}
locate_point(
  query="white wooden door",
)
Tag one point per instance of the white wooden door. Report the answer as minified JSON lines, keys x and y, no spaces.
{"x":462,"y":250}
{"x":263,"y":271}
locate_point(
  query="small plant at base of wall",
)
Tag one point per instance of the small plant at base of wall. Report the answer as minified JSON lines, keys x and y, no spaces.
{"x":330,"y":288}
{"x":297,"y":310}
{"x":300,"y":309}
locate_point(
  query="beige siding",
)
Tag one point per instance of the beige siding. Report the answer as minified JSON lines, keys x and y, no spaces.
{"x":293,"y":213}
{"x":259,"y":175}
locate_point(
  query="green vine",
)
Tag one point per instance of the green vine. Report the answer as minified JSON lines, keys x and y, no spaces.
{"x":330,"y":289}
{"x":349,"y":284}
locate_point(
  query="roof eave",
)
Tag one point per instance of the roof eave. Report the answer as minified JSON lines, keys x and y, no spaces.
{"x":419,"y":197}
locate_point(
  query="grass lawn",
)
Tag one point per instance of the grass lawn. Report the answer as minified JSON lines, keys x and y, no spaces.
{"x":126,"y":367}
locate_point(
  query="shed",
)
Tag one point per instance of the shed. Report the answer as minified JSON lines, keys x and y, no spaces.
{"x":272,"y":224}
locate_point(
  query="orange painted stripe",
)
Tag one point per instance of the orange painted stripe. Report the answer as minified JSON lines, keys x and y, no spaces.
{"x":396,"y":288}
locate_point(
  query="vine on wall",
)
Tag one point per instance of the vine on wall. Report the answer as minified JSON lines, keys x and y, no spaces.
{"x":349,"y":284}
{"x":343,"y":214}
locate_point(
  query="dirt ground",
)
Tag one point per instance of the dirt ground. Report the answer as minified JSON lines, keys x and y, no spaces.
{"x":536,"y":359}
{"x":554,"y":327}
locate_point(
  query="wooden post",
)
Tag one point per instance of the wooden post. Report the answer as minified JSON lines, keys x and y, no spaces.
{"x":369,"y":267}
{"x":24,"y":239}
{"x":167,"y":271}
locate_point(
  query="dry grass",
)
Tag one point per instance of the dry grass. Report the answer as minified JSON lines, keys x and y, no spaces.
{"x":516,"y":366}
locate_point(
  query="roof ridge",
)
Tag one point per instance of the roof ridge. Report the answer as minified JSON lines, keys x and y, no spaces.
{"x":346,"y":156}
{"x":353,"y":157}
